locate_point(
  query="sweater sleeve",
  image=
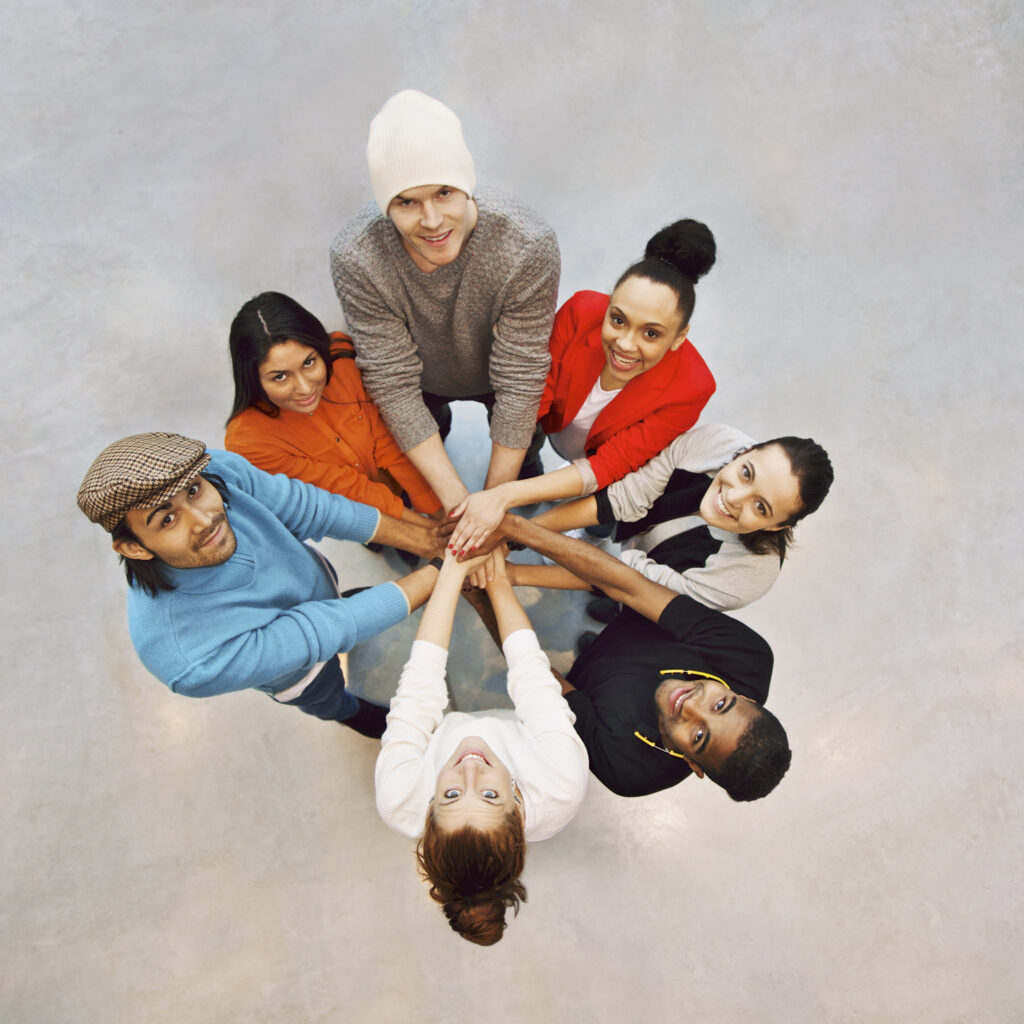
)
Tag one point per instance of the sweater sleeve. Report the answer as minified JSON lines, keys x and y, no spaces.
{"x":557,"y":779}
{"x":701,"y":450}
{"x":731,"y":578}
{"x":519,"y":358}
{"x":387,"y":355}
{"x":403,"y":776}
{"x":295,"y":639}
{"x":307,"y":512}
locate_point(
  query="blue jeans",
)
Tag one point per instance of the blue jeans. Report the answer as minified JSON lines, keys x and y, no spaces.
{"x":326,"y":696}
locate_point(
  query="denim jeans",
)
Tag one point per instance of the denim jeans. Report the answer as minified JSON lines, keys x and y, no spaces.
{"x":326,"y":696}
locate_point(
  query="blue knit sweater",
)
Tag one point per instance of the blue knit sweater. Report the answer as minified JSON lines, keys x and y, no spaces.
{"x":269,"y":613}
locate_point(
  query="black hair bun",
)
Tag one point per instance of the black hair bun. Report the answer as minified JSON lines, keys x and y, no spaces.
{"x":687,"y":245}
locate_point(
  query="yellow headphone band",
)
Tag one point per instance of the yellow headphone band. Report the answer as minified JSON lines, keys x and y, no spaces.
{"x":693,"y":672}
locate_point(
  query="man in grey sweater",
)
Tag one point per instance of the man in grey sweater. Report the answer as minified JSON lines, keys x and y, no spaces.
{"x":448,"y":294}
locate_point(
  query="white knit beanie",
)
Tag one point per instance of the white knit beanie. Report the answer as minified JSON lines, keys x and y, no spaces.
{"x":416,"y":140}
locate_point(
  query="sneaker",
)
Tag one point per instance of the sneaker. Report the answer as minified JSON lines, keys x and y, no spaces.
{"x":370,"y":720}
{"x":584,"y":641}
{"x":603,"y":609}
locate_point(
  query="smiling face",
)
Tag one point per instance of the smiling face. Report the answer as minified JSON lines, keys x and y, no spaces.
{"x":756,"y":491}
{"x":701,"y":719}
{"x":473,"y":788}
{"x":642,"y":324}
{"x":188,"y":531}
{"x":434,"y":221}
{"x":293,"y":376}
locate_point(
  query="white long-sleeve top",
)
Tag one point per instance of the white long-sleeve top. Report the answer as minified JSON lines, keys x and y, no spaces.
{"x":536,"y":741}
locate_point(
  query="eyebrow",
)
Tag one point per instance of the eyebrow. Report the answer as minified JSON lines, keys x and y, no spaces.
{"x":707,"y":732}
{"x":165,"y":507}
{"x":650,"y":323}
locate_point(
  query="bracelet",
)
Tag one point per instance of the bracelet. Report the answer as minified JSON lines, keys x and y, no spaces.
{"x":437,"y":563}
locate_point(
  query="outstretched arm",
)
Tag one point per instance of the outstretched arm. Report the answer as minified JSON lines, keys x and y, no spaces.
{"x":617,"y":580}
{"x":420,"y":537}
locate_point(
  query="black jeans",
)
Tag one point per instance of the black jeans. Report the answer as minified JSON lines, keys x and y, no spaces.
{"x":441,"y":410}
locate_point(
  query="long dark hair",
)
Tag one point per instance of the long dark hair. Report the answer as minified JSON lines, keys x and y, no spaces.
{"x":264,"y":321}
{"x":474,"y":874}
{"x":813,"y":471}
{"x":151,"y":573}
{"x":677,"y":256}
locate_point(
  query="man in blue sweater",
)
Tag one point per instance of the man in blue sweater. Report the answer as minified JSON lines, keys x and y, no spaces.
{"x":223,"y":594}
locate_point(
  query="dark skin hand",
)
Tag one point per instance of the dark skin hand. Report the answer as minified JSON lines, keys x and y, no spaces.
{"x":617,"y":580}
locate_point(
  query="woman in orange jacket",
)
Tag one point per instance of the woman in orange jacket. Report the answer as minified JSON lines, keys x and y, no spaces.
{"x":624,"y":380}
{"x":300,"y":409}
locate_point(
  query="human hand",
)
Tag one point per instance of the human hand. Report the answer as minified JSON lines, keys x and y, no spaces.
{"x":483,"y":575}
{"x":477,"y":516}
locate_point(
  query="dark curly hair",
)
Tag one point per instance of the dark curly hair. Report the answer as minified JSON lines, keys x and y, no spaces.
{"x":760,"y":759}
{"x":677,"y":256}
{"x":474,"y":874}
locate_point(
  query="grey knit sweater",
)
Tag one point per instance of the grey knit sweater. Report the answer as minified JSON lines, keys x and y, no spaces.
{"x":477,"y":325}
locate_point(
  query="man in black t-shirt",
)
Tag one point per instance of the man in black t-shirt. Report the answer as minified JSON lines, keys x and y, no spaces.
{"x":669,"y":688}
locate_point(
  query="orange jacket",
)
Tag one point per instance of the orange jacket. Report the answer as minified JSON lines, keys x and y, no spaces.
{"x":342,"y":447}
{"x":650,"y":412}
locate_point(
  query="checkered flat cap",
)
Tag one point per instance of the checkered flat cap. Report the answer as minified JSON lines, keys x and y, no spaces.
{"x":138,"y":472}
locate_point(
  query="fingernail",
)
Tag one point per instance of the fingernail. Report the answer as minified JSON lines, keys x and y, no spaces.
{"x":472,"y":549}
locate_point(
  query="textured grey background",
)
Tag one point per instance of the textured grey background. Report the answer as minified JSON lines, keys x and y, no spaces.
{"x":862,"y":166}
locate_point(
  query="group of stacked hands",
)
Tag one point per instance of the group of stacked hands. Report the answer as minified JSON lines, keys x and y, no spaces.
{"x":450,"y":293}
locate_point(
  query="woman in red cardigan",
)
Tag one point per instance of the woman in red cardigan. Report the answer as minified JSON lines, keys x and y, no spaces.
{"x":300,"y":409}
{"x":624,"y":381}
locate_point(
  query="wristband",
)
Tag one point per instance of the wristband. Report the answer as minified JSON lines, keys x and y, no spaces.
{"x":437,"y":563}
{"x":514,"y":545}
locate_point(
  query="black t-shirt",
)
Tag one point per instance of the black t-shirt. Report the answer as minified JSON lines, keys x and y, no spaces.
{"x":615,"y":680}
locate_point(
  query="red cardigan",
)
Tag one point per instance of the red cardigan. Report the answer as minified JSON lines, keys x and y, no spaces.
{"x":651,"y":411}
{"x":343,"y":447}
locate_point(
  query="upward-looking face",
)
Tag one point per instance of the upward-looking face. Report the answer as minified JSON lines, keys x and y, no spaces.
{"x":473,"y":788}
{"x":642,"y":324}
{"x":293,"y":376}
{"x":758,"y":490}
{"x":434,"y":222}
{"x":701,"y":719}
{"x":188,"y":531}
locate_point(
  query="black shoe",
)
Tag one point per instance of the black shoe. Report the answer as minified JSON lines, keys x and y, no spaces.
{"x":375,"y":548}
{"x":370,"y":720}
{"x":584,"y":641}
{"x":604,"y":609}
{"x":408,"y":558}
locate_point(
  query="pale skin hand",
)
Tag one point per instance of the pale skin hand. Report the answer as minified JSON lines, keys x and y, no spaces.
{"x":481,"y":513}
{"x":430,"y":458}
{"x":436,"y":622}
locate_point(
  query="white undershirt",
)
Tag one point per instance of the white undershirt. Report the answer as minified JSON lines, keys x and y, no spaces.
{"x":571,"y":441}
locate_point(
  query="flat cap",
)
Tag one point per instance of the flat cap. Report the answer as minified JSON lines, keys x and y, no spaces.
{"x":138,"y":472}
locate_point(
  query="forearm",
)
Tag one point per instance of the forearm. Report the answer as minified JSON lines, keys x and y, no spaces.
{"x":436,"y":621}
{"x":504,"y":465}
{"x":570,"y":515}
{"x":617,"y":580}
{"x":418,"y":585}
{"x":507,"y":609}
{"x":549,"y":577}
{"x":417,"y":535}
{"x":430,"y":458}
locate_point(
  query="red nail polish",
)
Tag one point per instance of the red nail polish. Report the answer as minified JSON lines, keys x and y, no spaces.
{"x":471,"y":550}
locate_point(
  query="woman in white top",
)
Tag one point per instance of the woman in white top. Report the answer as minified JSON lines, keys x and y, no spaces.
{"x":711,"y":516}
{"x":477,"y":787}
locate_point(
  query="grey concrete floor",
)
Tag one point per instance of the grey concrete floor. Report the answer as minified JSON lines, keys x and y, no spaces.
{"x":862,"y":167}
